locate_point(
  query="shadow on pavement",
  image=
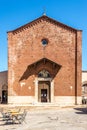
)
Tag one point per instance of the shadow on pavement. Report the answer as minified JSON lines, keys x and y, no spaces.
{"x":9,"y":123}
{"x":81,"y":110}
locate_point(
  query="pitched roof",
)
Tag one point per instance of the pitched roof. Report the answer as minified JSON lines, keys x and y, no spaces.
{"x":44,"y":18}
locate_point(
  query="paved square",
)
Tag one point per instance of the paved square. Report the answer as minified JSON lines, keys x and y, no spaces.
{"x":51,"y":119}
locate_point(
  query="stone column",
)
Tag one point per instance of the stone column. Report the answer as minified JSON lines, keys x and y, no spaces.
{"x":36,"y":90}
{"x":52,"y":91}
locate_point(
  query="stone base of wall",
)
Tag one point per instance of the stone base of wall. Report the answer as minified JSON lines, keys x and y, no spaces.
{"x":58,"y":100}
{"x":67,"y":100}
{"x":20,"y":99}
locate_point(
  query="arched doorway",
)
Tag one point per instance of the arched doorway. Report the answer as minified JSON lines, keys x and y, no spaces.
{"x":4,"y":96}
{"x":44,"y":86}
{"x":43,"y":73}
{"x":4,"y":93}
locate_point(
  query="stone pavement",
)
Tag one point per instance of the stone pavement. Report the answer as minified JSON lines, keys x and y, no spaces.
{"x":52,"y":119}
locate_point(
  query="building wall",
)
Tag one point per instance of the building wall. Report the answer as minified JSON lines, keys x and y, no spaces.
{"x":84,"y":77}
{"x":84,"y":86}
{"x":25,"y":48}
{"x":3,"y":82}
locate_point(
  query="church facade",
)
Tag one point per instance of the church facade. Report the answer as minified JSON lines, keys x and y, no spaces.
{"x":44,"y":63}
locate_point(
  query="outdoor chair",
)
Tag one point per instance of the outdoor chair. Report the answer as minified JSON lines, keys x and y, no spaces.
{"x":14,"y":116}
{"x":5,"y":115}
{"x":21,"y":116}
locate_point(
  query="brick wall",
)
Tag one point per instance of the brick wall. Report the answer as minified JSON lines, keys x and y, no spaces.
{"x":25,"y":48}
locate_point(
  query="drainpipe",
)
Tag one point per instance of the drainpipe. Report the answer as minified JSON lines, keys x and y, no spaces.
{"x":76,"y":70}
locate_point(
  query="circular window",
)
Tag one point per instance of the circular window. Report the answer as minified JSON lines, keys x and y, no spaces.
{"x":44,"y":42}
